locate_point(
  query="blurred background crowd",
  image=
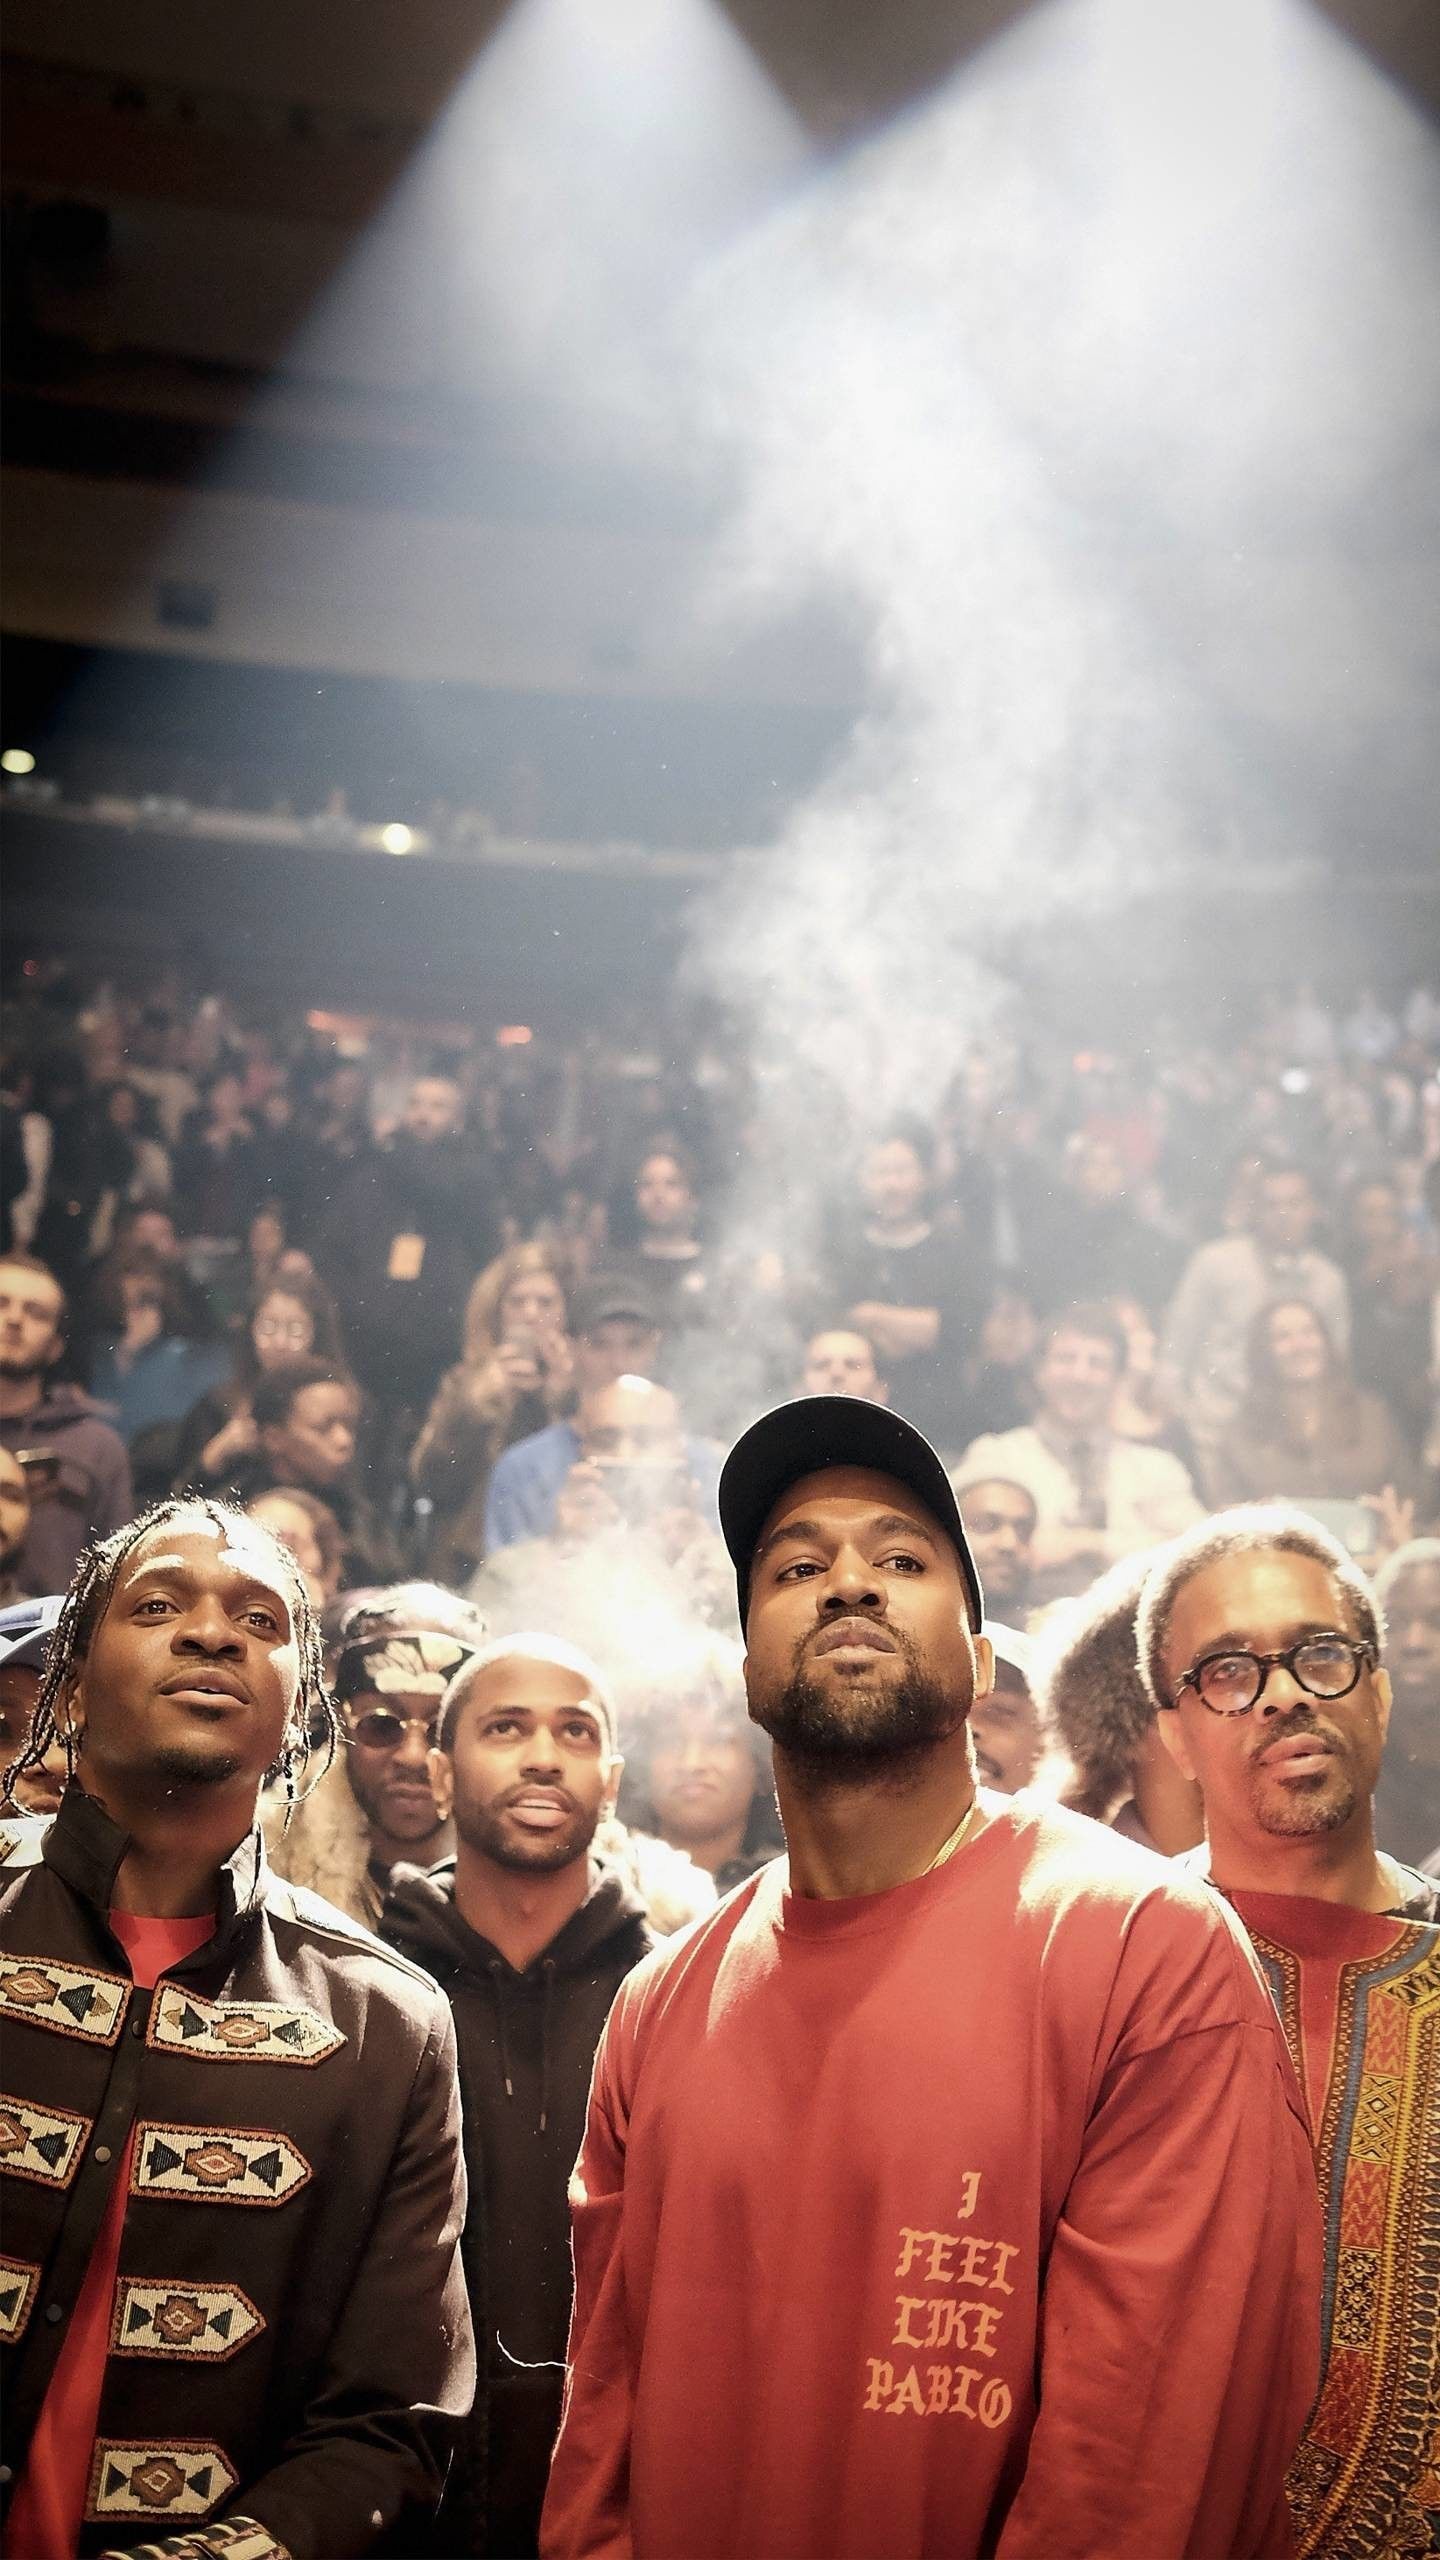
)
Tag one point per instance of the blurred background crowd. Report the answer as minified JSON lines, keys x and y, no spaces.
{"x":477,"y":1306}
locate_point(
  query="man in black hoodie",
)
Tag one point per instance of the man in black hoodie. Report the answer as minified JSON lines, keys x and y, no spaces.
{"x":530,"y":1937}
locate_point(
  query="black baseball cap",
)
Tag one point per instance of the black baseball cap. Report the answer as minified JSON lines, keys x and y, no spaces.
{"x":607,"y":1294}
{"x":814,"y":1432}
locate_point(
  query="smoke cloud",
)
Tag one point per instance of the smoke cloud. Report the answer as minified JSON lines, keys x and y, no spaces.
{"x":1094,"y":395}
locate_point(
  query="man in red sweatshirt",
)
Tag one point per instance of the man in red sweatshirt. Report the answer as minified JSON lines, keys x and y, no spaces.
{"x":946,"y":2194}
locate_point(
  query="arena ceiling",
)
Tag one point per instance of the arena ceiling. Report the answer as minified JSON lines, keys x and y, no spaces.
{"x":183,"y":188}
{"x":312,"y":111}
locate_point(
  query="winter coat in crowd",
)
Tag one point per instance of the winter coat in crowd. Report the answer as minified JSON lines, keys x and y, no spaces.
{"x":84,"y":1494}
{"x":324,"y":1846}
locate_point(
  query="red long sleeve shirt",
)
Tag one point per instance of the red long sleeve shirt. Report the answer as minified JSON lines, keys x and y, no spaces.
{"x":973,"y":2218}
{"x":49,"y":2509}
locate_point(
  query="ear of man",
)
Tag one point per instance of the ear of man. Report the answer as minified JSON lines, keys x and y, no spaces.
{"x":441,"y":1769}
{"x":69,"y":1706}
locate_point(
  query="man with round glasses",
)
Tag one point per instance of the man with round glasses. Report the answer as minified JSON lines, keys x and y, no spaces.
{"x":1260,"y":1642}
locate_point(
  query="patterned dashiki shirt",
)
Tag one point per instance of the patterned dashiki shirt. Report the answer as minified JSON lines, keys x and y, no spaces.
{"x":1359,"y":1995}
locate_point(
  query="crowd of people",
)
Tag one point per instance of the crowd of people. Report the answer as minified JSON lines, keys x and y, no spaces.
{"x":445,"y":1229}
{"x":424,"y":1351}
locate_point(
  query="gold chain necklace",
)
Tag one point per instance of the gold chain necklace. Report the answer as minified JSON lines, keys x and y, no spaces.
{"x":948,"y":1847}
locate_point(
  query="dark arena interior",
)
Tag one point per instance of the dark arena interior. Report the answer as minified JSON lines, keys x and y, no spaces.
{"x":719,"y":761}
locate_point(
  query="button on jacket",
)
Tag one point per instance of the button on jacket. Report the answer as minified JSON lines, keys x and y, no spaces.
{"x":290,"y":2338}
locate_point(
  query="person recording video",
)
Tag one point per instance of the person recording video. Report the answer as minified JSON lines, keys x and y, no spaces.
{"x":633,"y":1468}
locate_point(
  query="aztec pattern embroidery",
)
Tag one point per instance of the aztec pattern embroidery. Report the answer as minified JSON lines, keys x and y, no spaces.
{"x":64,"y":1997}
{"x":239,"y":2030}
{"x":18,"y":2280}
{"x":40,"y":2143}
{"x":216,"y":2164}
{"x":204,"y":2322}
{"x":175,"y":2477}
{"x":1366,"y":2479}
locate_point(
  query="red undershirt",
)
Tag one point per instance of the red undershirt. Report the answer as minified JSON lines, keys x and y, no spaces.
{"x":49,"y":2507}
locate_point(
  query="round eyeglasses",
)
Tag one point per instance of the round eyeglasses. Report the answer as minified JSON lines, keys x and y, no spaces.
{"x":294,"y":1329}
{"x":1231,"y":1683}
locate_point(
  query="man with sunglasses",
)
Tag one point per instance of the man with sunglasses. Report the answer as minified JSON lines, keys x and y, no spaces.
{"x":398,"y":1651}
{"x":1260,"y":1641}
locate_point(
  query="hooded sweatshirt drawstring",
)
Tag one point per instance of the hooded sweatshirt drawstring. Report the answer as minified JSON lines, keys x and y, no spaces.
{"x":495,"y":1970}
{"x":547,"y":1975}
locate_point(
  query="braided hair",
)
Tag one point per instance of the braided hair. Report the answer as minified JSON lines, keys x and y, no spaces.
{"x":89,"y":1597}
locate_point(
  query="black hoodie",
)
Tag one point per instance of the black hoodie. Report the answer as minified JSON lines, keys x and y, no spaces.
{"x":526,"y":2042}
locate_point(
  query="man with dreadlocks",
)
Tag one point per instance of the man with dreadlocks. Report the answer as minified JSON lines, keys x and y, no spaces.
{"x":187,"y":2035}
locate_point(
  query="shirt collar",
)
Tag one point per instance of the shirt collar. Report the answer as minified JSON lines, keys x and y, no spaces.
{"x":1064,"y":1444}
{"x":1285,"y":1262}
{"x":86,"y":1849}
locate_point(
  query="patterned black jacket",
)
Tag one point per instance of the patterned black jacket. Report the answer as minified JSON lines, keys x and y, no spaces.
{"x":290,"y":2339}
